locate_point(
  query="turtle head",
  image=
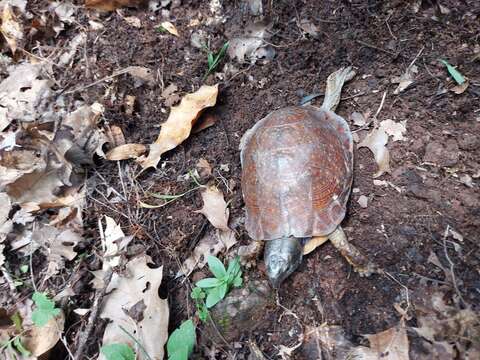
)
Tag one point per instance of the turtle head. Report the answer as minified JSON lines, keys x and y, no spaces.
{"x":282,"y":257}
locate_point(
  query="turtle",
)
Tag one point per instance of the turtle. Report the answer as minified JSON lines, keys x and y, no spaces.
{"x":297,"y":172}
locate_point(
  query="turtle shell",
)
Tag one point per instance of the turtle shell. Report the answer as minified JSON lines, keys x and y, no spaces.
{"x":297,"y":167}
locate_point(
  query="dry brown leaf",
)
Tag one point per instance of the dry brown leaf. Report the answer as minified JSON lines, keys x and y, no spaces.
{"x":460,"y":89}
{"x":139,"y":283}
{"x":214,"y":242}
{"x":406,"y":79}
{"x":127,"y":151}
{"x":170,"y":96}
{"x":141,"y":73}
{"x":358,"y":119}
{"x":41,"y":339}
{"x":391,"y":344}
{"x":215,"y":208}
{"x":110,"y":5}
{"x":167,"y":25}
{"x":394,"y":129}
{"x":376,"y":141}
{"x":329,"y":340}
{"x":204,"y":168}
{"x":11,"y":29}
{"x":58,"y":244}
{"x":204,"y":123}
{"x":179,"y":124}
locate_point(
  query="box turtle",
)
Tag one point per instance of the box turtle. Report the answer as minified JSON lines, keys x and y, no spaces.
{"x":297,"y":170}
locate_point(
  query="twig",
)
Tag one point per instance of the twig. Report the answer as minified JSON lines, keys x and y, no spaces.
{"x":109,"y":77}
{"x":376,"y":48}
{"x":416,"y":57}
{"x":144,"y":351}
{"x":450,"y":262}
{"x":84,"y":336}
{"x":381,"y":105}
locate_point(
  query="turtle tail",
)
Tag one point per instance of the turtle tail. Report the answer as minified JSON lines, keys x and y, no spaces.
{"x":334,"y":87}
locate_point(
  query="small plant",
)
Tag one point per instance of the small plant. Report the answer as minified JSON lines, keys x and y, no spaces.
{"x":117,"y":351}
{"x":214,"y":59}
{"x":217,"y":288}
{"x":199,"y":296}
{"x":44,"y":309}
{"x":454,"y":73}
{"x":167,"y":198}
{"x":180,"y":344}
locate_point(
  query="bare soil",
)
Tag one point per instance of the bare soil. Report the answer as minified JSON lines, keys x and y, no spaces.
{"x":398,"y":230}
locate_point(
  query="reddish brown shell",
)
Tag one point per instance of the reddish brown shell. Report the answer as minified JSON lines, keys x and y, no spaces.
{"x":297,"y":172}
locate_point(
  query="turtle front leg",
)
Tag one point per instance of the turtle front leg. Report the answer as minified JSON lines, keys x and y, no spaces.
{"x":359,"y":261}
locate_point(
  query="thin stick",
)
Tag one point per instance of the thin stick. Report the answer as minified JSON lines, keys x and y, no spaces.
{"x":416,"y":57}
{"x":85,"y":335}
{"x":450,"y":262}
{"x":114,"y":75}
{"x":376,"y":48}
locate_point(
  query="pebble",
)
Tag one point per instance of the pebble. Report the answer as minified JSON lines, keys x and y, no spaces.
{"x":442,"y":154}
{"x":468,"y":142}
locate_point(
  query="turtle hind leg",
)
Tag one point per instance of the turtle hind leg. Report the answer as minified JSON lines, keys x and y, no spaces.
{"x":359,"y":261}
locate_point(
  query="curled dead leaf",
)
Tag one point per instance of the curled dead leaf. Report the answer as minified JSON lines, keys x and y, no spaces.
{"x":179,"y":124}
{"x":215,"y":208}
{"x":391,"y":344}
{"x":126,"y":151}
{"x":394,"y":129}
{"x":167,"y":25}
{"x":406,"y":79}
{"x":11,"y":28}
{"x":460,"y":89}
{"x":376,"y":141}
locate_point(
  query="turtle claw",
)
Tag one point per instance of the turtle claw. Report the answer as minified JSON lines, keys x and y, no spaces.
{"x":359,"y":262}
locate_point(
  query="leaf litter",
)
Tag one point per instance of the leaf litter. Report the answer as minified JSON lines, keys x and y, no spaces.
{"x":175,"y":130}
{"x":136,"y":310}
{"x":215,"y":240}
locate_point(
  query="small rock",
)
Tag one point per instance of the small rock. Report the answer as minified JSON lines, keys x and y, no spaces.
{"x":468,"y":142}
{"x":363,"y":201}
{"x":421,"y":191}
{"x":444,"y":155}
{"x":241,"y":311}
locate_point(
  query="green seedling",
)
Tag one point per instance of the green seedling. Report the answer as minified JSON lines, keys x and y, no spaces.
{"x":217,"y":288}
{"x":167,"y":198}
{"x":117,"y":351}
{"x":199,"y":296}
{"x":214,"y":59}
{"x":454,"y":73}
{"x":181,"y":342}
{"x":45,"y":309}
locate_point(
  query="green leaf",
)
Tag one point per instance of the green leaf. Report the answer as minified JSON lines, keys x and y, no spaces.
{"x":203,"y":313}
{"x":117,"y":351}
{"x":210,"y":60}
{"x":215,"y":295}
{"x":45,"y":309}
{"x":197,"y":294}
{"x":181,"y":342}
{"x":238,"y":281}
{"x":454,"y":73}
{"x":233,"y":268}
{"x":216,"y":267}
{"x":20,"y":348}
{"x":17,"y":321}
{"x":208,"y":283}
{"x":23,"y":269}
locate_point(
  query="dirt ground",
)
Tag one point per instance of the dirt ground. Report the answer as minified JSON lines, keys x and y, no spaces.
{"x":399,"y":230}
